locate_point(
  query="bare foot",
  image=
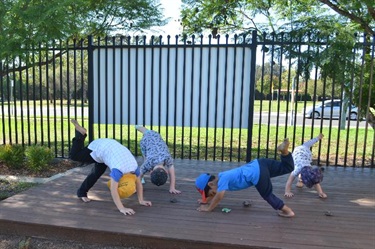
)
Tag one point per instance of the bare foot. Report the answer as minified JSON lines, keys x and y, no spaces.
{"x":299,"y":184}
{"x":283,"y":147}
{"x":322,"y":195}
{"x":79,"y":128}
{"x":141,"y":128}
{"x":84,"y":199}
{"x":320,"y":136}
{"x":286,"y":212}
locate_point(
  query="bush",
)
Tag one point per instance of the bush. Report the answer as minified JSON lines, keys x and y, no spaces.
{"x":38,"y":157}
{"x":13,"y":155}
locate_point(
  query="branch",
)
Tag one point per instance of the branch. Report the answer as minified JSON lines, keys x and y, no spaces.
{"x":349,"y":15}
{"x":371,"y":10}
{"x":251,"y":19}
{"x":43,"y":63}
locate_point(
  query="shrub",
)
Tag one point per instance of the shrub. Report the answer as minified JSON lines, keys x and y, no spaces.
{"x":38,"y":157}
{"x":12,"y":155}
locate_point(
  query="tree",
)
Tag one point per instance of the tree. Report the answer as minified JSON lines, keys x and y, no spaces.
{"x":30,"y":26}
{"x":331,"y":22}
{"x":239,"y":15}
{"x":24,"y":23}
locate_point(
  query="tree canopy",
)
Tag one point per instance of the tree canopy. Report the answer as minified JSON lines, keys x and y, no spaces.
{"x":198,"y":16}
{"x":31,"y":21}
{"x":338,"y":24}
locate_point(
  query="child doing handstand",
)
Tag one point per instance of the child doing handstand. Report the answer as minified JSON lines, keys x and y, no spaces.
{"x":307,"y":175}
{"x":157,"y":159}
{"x":105,"y":153}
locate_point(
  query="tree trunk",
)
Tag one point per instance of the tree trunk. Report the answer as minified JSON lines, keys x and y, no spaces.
{"x":371,"y":119}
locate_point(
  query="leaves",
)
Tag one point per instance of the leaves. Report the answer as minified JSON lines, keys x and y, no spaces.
{"x":280,"y":15}
{"x":25,"y":22}
{"x":327,"y":28}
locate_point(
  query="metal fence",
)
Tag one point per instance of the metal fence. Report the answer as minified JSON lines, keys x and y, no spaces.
{"x":233,"y":98}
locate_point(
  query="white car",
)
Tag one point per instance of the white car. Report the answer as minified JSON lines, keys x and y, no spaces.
{"x":330,"y":109}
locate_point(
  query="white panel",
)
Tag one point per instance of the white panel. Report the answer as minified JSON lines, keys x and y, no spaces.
{"x":209,"y":92}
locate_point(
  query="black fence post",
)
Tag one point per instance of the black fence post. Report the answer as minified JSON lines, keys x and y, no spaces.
{"x":90,"y":86}
{"x":253,"y":47}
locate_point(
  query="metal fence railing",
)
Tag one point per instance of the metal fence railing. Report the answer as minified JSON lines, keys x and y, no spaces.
{"x":228,"y":99}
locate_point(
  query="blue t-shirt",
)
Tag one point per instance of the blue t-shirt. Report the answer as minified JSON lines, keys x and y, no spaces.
{"x":239,"y":178}
{"x":117,"y":174}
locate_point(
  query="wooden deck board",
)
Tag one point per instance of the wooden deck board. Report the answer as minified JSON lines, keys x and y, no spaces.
{"x":52,"y":210}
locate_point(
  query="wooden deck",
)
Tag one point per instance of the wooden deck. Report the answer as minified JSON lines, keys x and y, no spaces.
{"x":51,"y":210}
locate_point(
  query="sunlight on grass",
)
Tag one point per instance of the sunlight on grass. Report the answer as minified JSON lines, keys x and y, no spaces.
{"x":204,"y":143}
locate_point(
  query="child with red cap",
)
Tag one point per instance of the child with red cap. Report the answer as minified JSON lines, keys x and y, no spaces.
{"x":256,"y":173}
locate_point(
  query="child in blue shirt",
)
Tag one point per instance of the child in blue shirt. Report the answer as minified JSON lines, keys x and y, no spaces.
{"x":256,"y":173}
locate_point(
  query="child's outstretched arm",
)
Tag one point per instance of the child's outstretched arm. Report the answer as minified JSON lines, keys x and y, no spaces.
{"x":172,"y":179}
{"x":215,"y":201}
{"x":288,"y":186}
{"x":319,"y":189}
{"x":139,"y":187}
{"x":117,"y":201}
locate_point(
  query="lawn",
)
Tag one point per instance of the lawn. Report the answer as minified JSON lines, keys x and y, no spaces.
{"x":204,"y":143}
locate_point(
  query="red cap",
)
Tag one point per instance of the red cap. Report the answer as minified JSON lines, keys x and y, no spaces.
{"x":201,"y":183}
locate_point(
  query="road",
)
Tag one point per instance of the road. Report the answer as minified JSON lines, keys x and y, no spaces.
{"x":300,"y":120}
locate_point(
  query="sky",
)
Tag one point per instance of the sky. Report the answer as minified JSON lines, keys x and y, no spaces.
{"x":172,"y":10}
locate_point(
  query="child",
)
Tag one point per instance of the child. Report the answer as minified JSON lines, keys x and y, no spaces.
{"x":105,"y":153}
{"x":307,"y":175}
{"x":157,"y":159}
{"x":256,"y":173}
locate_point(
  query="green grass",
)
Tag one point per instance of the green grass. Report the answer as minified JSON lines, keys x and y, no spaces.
{"x":265,"y":105}
{"x":10,"y":188}
{"x":207,"y":144}
{"x":44,"y":103}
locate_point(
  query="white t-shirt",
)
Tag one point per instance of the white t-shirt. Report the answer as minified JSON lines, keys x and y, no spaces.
{"x":302,"y":157}
{"x":113,"y":154}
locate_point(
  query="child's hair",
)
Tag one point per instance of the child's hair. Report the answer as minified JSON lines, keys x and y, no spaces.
{"x":159,"y":177}
{"x":207,"y":188}
{"x":311,"y":176}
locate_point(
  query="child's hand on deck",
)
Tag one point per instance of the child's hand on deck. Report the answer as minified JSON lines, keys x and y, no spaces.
{"x":146,"y":203}
{"x":203,"y":208}
{"x":127,"y":211}
{"x":288,"y":194}
{"x":174,"y":191}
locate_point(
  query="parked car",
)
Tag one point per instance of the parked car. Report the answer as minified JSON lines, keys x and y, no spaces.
{"x":330,"y":109}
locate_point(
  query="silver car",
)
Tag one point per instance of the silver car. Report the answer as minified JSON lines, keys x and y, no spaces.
{"x":330,"y":109}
